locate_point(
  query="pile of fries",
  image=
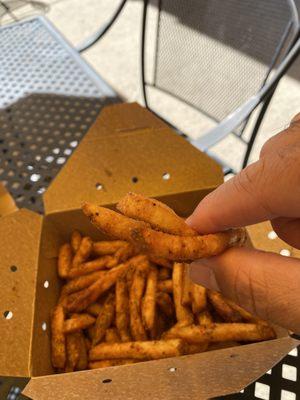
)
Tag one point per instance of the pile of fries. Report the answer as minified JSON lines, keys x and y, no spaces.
{"x":131,"y":299}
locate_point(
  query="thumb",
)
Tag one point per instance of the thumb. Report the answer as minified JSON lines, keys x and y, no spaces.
{"x":266,"y":284}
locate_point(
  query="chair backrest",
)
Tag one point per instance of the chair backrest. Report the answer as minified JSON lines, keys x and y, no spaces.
{"x":215,"y":54}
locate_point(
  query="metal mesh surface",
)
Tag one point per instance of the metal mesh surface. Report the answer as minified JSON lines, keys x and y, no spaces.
{"x":214,"y":54}
{"x":35,"y":59}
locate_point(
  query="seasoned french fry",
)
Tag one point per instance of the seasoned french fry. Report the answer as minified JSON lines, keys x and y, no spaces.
{"x":82,"y":282}
{"x":91,"y":333}
{"x":182,"y":312}
{"x":112,"y":336}
{"x":198,"y":294}
{"x":83,"y":356}
{"x":165,"y":303}
{"x":100,"y":263}
{"x":106,"y":247}
{"x":187,"y":285}
{"x":149,"y":300}
{"x":129,"y":277}
{"x":126,"y":251}
{"x":88,"y":343}
{"x":73,"y":351}
{"x":64,"y":260}
{"x":122,"y":309}
{"x":110,"y":363}
{"x":58,"y":341}
{"x":104,"y":319}
{"x":84,"y":251}
{"x":78,"y":322}
{"x":165,"y":286}
{"x":222,"y":307}
{"x":182,"y":248}
{"x":160,"y":326}
{"x":196,"y":348}
{"x":94,"y":309}
{"x":163,"y":262}
{"x":205,"y":318}
{"x":157,"y":214}
{"x":110,"y":222}
{"x":135,"y":297}
{"x":244,"y":314}
{"x":164,"y":273}
{"x":149,"y":350}
{"x":79,"y":301}
{"x":219,"y":332}
{"x":75,"y":241}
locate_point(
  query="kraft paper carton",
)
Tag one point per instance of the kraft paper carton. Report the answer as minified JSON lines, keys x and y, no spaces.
{"x":127,"y":149}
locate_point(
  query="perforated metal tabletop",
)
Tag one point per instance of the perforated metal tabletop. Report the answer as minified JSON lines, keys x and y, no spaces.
{"x":49,"y":98}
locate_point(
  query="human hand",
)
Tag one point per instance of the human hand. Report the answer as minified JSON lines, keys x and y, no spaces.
{"x":266,"y":284}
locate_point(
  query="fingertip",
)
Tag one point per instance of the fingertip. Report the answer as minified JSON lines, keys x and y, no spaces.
{"x":202,"y":273}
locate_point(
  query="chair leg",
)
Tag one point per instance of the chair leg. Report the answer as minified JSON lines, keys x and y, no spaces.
{"x":256,"y":127}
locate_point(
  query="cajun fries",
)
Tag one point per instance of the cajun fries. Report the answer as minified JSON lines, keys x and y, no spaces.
{"x":131,"y":299}
{"x":155,"y":229}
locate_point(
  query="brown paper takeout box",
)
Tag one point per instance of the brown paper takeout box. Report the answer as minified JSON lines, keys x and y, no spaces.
{"x":127,"y":149}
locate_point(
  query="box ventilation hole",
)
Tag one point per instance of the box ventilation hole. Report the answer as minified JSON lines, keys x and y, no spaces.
{"x":8,"y":314}
{"x":166,"y":176}
{"x":134,"y":179}
{"x":99,"y":186}
{"x":13,"y":268}
{"x":44,"y":326}
{"x":285,"y":252}
{"x":172,"y":369}
{"x":46,"y":284}
{"x":107,"y":380}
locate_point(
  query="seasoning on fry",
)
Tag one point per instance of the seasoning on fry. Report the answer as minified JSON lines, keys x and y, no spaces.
{"x":84,"y":251}
{"x":148,"y":350}
{"x":64,"y":260}
{"x":157,"y":214}
{"x":104,"y":319}
{"x":78,"y":322}
{"x":182,"y":312}
{"x":122,"y":309}
{"x":149,"y":300}
{"x":58,"y":341}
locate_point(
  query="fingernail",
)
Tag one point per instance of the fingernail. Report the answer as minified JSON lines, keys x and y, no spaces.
{"x":203,"y":275}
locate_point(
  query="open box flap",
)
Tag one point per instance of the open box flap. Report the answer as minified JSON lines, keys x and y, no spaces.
{"x":19,"y":246}
{"x":196,"y":377}
{"x":129,"y":149}
{"x":7,"y":204}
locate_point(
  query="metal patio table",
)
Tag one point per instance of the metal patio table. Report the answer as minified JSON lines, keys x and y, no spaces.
{"x":49,"y":97}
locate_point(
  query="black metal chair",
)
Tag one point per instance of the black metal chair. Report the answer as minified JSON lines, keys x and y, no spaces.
{"x":222,"y":58}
